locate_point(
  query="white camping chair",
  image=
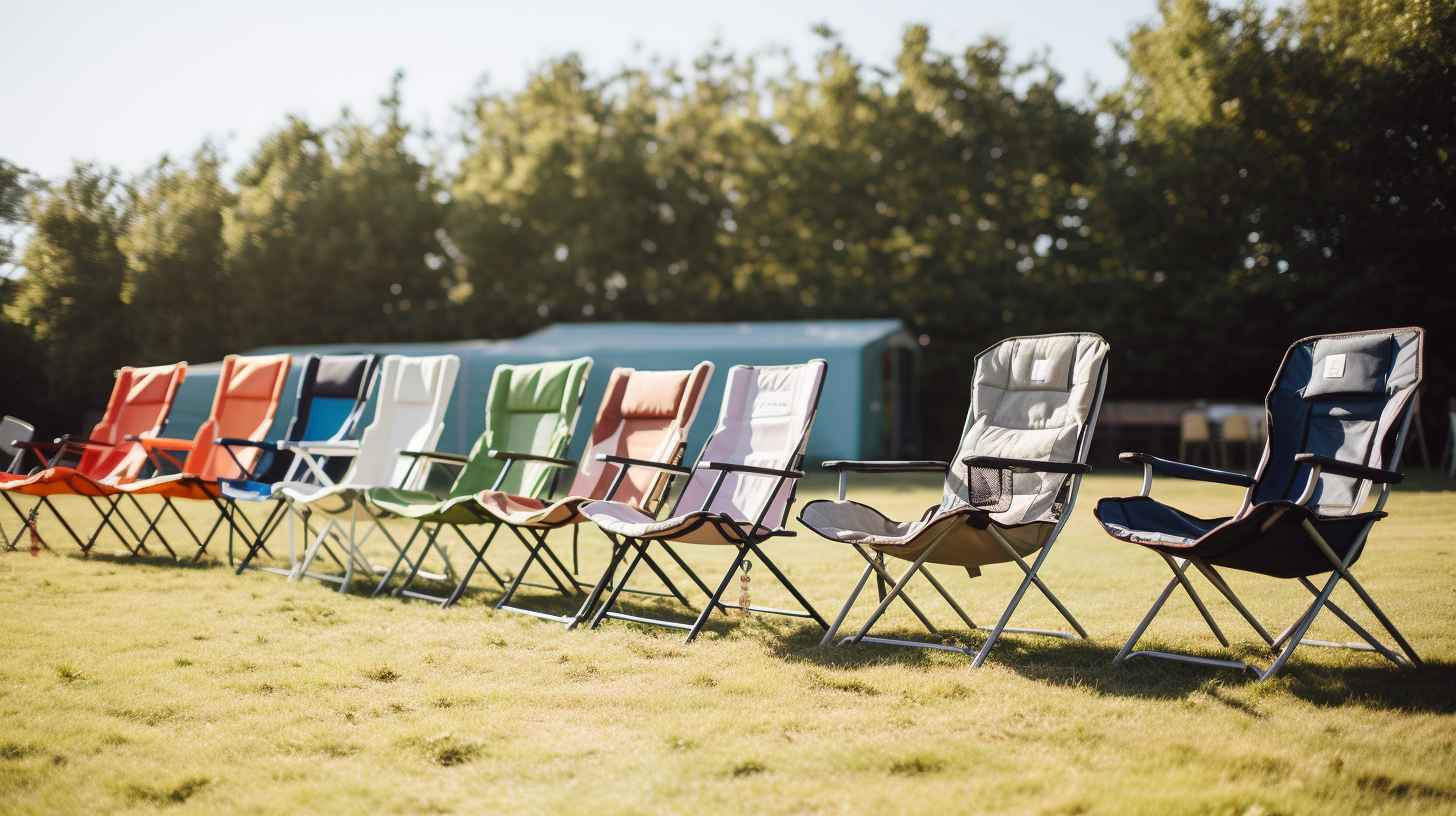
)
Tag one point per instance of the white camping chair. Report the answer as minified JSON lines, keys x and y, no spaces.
{"x":413,"y":395}
{"x":1008,"y":492}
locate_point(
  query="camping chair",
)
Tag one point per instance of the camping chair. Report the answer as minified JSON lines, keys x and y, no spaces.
{"x":1008,"y":493}
{"x":140,"y":401}
{"x":1337,"y":417}
{"x":1195,"y":433}
{"x":530,"y":414}
{"x":247,"y":396}
{"x":737,"y":495}
{"x":645,"y":416}
{"x":332,"y":393}
{"x":413,"y":397}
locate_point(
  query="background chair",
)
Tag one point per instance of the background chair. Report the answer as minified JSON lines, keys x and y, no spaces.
{"x":1195,"y":435}
{"x":14,"y":434}
{"x":1339,"y":410}
{"x":1008,"y":492}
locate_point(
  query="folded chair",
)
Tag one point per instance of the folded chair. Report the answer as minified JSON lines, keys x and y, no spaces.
{"x":141,"y":399}
{"x":1337,"y":415}
{"x":530,"y":414}
{"x":645,"y":416}
{"x":247,"y":396}
{"x":737,"y":495}
{"x":409,"y":415}
{"x":333,"y":391}
{"x":1008,"y":492}
{"x":15,"y":436}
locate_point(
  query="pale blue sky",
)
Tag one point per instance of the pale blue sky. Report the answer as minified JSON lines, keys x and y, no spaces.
{"x":124,"y":82}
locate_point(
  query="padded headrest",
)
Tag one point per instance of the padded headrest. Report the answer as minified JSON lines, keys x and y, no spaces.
{"x":1041,"y":363}
{"x":416,"y":380}
{"x":654,"y":394}
{"x":538,"y":388}
{"x":1351,"y":365}
{"x":766,"y":392}
{"x":255,"y":377}
{"x":341,"y":375}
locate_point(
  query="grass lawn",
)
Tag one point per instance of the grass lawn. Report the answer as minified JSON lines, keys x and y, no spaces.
{"x":143,"y":684}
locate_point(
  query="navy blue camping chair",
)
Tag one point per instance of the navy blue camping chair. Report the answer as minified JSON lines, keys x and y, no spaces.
{"x":1337,"y":415}
{"x":333,"y":391}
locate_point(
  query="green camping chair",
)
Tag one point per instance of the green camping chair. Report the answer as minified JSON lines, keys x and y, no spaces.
{"x":530,"y":413}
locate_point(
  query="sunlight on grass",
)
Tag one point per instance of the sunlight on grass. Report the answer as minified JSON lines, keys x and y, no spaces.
{"x":135,"y":684}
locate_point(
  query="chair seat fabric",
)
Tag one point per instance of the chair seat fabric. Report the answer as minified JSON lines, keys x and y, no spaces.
{"x":1269,"y":539}
{"x":56,"y":481}
{"x":246,"y":489}
{"x":173,"y":486}
{"x":697,"y":527}
{"x":422,"y":505}
{"x":523,"y":511}
{"x":969,"y":545}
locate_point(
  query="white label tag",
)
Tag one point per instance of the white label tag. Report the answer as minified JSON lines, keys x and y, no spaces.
{"x":1041,"y":370}
{"x":771,"y":405}
{"x":1334,"y":366}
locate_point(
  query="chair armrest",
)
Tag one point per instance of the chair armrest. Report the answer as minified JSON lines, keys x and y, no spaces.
{"x":1350,"y":469}
{"x":162,"y":443}
{"x":886,"y":466}
{"x":234,"y":442}
{"x":757,"y":471}
{"x":439,"y":456}
{"x":320,"y":447}
{"x":1026,"y":465}
{"x":643,"y":463}
{"x":551,"y":461}
{"x":1182,"y":470}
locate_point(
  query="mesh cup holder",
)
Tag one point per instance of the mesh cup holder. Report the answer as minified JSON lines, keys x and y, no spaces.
{"x":989,"y":489}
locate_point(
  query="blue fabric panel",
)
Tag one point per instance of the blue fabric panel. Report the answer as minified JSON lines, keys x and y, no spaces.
{"x":326,"y":416}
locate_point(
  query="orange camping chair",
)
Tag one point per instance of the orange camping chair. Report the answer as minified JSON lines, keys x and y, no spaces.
{"x":248,"y":393}
{"x":140,"y":403}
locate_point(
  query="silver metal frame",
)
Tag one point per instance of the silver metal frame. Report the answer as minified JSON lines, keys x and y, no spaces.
{"x":1293,"y":636}
{"x":897,"y":589}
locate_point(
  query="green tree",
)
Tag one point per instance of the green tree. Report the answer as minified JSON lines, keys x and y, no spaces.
{"x":175,"y":252}
{"x":70,"y":297}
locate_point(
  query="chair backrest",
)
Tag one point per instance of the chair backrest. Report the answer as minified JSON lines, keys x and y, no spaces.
{"x":1236,"y":428}
{"x":248,"y":392}
{"x":141,"y":400}
{"x":529,"y":409}
{"x":1345,"y":396}
{"x":1031,"y":398}
{"x":12,"y":430}
{"x":332,"y":393}
{"x":409,"y":414}
{"x":643,"y":415}
{"x":1193,"y":426}
{"x":765,"y":420}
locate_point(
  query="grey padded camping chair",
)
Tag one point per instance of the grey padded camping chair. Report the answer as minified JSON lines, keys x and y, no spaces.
{"x":1008,"y":492}
{"x":14,"y":432}
{"x":1337,"y":416}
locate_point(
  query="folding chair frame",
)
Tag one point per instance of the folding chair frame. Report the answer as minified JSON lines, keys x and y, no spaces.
{"x":603,"y":582}
{"x":744,"y":545}
{"x":1293,"y":636}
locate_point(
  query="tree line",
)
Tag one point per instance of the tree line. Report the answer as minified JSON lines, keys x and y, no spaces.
{"x":1264,"y":173}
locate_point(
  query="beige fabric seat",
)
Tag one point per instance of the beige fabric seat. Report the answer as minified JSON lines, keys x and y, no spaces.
{"x":1010,"y":487}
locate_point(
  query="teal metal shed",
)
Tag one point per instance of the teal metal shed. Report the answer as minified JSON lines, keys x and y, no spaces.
{"x":869,"y":408}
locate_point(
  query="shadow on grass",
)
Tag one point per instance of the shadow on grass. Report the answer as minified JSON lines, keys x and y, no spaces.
{"x":154,"y":561}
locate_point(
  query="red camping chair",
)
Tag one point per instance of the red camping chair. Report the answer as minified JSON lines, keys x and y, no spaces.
{"x":248,"y":393}
{"x":139,"y":405}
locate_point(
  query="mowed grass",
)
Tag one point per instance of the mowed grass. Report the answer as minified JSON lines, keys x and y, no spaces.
{"x":142,"y":684}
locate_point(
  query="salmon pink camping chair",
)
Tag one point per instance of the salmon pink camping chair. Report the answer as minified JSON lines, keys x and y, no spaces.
{"x":141,"y":400}
{"x":737,"y":495}
{"x":248,"y":392}
{"x":645,"y":417}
